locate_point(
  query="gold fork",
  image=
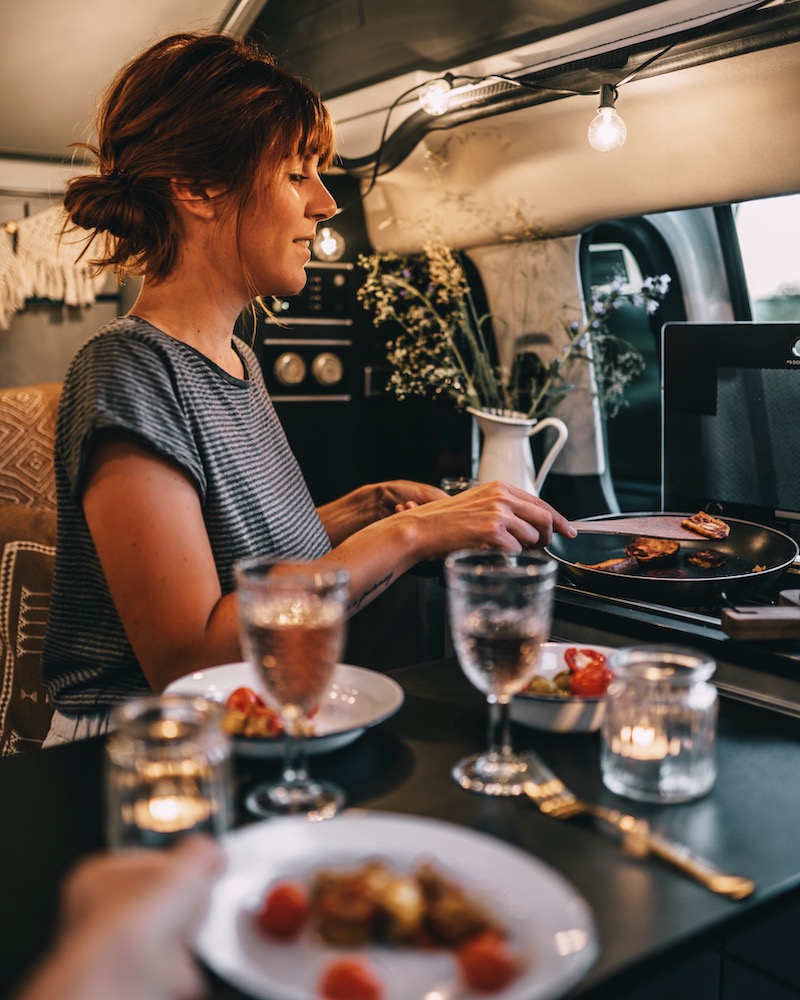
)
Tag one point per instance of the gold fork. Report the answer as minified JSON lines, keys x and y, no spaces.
{"x":554,"y":799}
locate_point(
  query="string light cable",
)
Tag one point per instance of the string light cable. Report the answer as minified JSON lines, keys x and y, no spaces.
{"x":437,"y":96}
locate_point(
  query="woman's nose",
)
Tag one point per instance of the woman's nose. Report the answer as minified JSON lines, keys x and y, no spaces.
{"x":324,"y":205}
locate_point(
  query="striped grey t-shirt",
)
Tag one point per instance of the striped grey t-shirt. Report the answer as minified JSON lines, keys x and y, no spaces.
{"x":221,"y":431}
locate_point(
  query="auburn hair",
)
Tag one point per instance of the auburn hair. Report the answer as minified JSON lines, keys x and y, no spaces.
{"x":207,"y":108}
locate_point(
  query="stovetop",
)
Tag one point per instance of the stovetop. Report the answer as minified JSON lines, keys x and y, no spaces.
{"x":763,"y":673}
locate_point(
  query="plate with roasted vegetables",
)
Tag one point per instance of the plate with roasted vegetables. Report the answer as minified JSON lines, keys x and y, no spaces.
{"x":567,"y":693}
{"x":356,"y":699}
{"x":382,"y":906}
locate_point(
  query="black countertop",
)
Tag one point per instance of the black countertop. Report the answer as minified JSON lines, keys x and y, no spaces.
{"x":646,"y":912}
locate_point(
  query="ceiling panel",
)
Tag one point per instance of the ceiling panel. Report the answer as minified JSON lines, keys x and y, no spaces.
{"x":58,"y":56}
{"x":344,"y":45}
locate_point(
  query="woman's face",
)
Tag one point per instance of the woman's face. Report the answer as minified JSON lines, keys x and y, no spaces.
{"x":278,"y":224}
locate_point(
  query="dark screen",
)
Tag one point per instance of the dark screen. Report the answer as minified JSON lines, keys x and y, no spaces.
{"x":731,"y":417}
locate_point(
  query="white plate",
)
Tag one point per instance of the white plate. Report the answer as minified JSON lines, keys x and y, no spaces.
{"x":358,"y":698}
{"x":551,"y":926}
{"x":551,"y":712}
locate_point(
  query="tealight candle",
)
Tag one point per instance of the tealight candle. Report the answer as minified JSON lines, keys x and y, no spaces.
{"x":641,"y":743}
{"x":167,"y":771}
{"x":170,"y":813}
{"x":659,"y":732}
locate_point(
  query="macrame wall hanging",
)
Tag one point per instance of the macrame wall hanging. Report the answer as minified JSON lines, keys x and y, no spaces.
{"x":44,"y":264}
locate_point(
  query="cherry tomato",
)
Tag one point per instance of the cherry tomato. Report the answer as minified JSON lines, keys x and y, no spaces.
{"x":486,"y":962}
{"x":285,"y":910}
{"x":243,"y":699}
{"x":349,"y":979}
{"x":581,"y":659}
{"x":591,"y":682}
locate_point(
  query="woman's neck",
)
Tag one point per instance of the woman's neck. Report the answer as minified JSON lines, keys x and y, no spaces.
{"x":192,"y":315}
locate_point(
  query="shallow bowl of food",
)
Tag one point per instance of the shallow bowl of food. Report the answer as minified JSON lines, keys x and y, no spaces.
{"x":565,"y":712}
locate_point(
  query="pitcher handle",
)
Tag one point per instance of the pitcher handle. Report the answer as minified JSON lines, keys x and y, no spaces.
{"x":555,"y":450}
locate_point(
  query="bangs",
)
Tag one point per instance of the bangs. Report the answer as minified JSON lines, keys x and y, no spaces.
{"x":312,"y":128}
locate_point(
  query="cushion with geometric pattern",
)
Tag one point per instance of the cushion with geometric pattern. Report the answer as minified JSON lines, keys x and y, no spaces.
{"x":27,"y":562}
{"x":27,"y":431}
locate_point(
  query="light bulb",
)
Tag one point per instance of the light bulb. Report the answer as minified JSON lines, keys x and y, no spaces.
{"x":328,"y":244}
{"x":607,"y":131}
{"x":436,"y":96}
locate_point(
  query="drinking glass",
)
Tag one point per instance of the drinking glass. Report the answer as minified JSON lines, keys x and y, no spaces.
{"x":500,"y":608}
{"x":292,"y":625}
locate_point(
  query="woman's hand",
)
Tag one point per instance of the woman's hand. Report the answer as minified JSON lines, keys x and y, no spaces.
{"x":404,"y":494}
{"x":493,"y":515}
{"x":367,"y":504}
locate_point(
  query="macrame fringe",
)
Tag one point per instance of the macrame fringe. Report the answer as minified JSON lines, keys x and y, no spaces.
{"x":48,"y":262}
{"x":12,"y":296}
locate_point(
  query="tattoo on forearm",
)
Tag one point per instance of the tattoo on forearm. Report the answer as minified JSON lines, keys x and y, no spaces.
{"x":379,"y":585}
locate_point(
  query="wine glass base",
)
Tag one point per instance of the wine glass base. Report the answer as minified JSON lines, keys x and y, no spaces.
{"x":316,"y":800}
{"x":493,"y":773}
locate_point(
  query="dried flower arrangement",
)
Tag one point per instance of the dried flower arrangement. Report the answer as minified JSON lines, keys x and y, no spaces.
{"x":443,"y":345}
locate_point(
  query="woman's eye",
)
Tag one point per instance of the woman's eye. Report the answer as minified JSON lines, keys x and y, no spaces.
{"x":296,"y":178}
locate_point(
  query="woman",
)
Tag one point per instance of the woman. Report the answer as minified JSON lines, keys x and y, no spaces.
{"x":170,"y":461}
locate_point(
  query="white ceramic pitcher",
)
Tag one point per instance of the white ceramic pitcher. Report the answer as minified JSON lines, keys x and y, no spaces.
{"x":506,"y":450}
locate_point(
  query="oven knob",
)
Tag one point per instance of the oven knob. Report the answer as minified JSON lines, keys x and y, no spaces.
{"x":289,"y":369}
{"x":327,"y":368}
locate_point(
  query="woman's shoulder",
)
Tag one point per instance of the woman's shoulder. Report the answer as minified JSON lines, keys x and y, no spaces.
{"x":129,"y":348}
{"x":126,"y":334}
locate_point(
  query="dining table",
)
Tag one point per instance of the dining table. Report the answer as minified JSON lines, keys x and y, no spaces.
{"x":650,"y":918}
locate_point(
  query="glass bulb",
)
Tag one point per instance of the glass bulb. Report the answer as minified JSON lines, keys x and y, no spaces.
{"x":328,"y":244}
{"x":607,"y":131}
{"x":435,"y":97}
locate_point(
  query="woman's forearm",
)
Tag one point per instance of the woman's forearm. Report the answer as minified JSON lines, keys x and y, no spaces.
{"x":375,"y":557}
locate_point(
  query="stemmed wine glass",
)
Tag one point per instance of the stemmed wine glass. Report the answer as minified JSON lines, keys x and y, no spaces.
{"x":500,"y":608}
{"x":292,"y":624}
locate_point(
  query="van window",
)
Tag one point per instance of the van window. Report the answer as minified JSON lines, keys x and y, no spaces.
{"x":632,"y":249}
{"x":768,"y":233}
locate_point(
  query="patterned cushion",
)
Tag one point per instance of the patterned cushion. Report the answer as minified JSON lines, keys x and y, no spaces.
{"x":27,"y":433}
{"x":27,"y":560}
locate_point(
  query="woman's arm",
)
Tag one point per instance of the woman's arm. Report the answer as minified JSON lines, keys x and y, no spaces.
{"x":146,"y":521}
{"x":145,"y":518}
{"x":494,"y":515}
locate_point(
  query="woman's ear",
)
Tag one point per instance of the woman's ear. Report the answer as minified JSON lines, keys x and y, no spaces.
{"x":198,"y":200}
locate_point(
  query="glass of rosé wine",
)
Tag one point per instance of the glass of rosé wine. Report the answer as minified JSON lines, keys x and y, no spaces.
{"x":500,"y":611}
{"x":292,"y":621}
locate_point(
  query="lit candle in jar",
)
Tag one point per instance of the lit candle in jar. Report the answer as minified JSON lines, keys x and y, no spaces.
{"x":167,"y":771}
{"x":171,"y":813}
{"x":642,"y":743}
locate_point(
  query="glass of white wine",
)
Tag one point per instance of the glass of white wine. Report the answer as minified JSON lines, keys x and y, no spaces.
{"x":292,"y":622}
{"x":500,"y":610}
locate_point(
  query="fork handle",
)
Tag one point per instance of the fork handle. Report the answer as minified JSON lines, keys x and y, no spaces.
{"x":641,"y":840}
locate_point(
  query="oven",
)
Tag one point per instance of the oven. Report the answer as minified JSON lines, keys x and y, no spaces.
{"x":308,"y":356}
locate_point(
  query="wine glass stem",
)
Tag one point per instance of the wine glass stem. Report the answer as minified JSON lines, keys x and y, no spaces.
{"x":499,"y":725}
{"x":295,"y":763}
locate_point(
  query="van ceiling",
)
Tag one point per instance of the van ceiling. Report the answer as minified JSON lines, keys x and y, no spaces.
{"x":58,"y":55}
{"x":344,"y":45}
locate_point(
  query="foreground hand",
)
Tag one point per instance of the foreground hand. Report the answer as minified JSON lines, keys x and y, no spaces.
{"x":126,"y":924}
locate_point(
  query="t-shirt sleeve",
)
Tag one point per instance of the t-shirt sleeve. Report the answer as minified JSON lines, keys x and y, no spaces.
{"x":125,"y":384}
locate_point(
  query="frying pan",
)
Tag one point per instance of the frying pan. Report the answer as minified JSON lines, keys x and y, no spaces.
{"x":680,"y":583}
